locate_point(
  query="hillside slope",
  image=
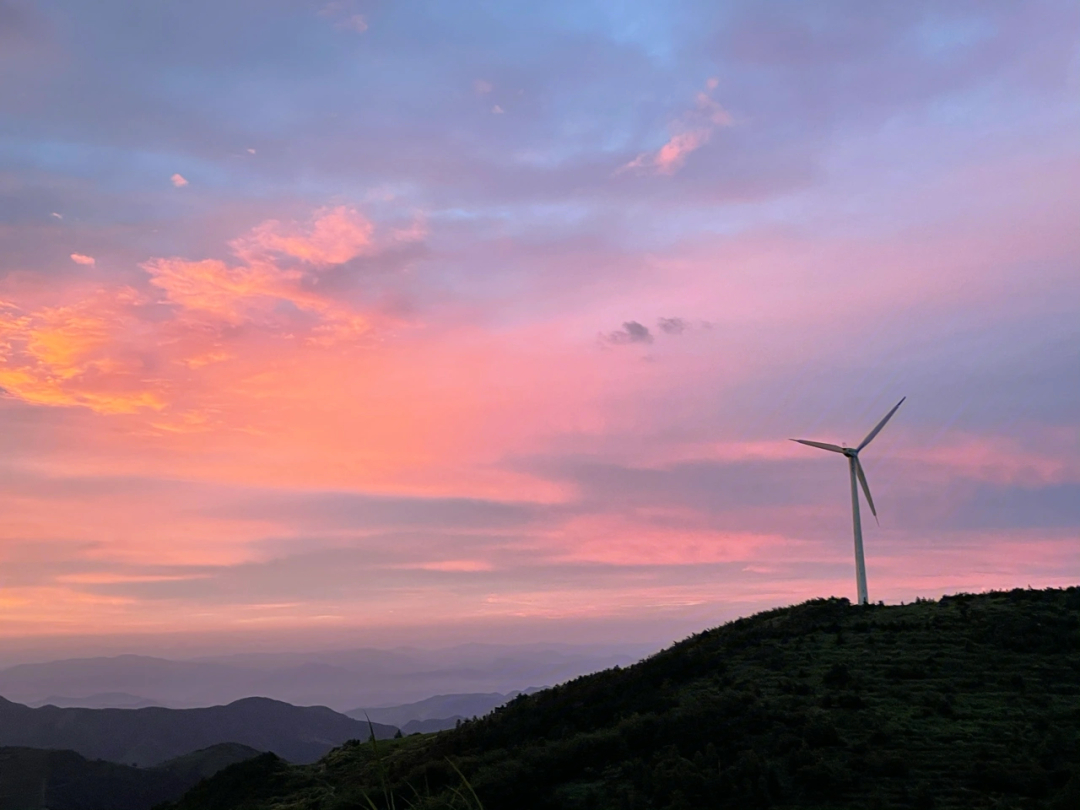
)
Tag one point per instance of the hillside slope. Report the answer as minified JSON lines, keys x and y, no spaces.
{"x":62,"y":780}
{"x":971,"y":702}
{"x":152,"y":735}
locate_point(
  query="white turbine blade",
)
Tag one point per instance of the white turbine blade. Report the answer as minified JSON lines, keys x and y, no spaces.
{"x":865,"y":486}
{"x":870,"y":436}
{"x":820,"y":445}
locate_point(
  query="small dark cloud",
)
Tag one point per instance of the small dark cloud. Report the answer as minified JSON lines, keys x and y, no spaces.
{"x":631,"y":332}
{"x":672,"y":326}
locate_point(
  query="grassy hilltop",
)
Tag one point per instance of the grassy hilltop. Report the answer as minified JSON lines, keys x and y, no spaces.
{"x":970,"y":702}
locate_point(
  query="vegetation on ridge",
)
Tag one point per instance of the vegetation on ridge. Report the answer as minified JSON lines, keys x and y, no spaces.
{"x":970,"y":702}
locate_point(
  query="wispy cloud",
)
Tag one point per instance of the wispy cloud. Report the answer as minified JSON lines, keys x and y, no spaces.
{"x":344,"y":16}
{"x":178,"y":180}
{"x":690,"y":132}
{"x":80,"y":258}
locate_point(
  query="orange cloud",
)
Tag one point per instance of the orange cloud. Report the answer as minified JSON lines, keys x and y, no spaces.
{"x":111,"y":350}
{"x":79,"y":354}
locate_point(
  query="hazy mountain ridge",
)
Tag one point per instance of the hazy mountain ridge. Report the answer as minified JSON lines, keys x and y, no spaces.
{"x":438,"y":712}
{"x":153,"y":735}
{"x":433,"y":724}
{"x":970,"y":703}
{"x":341,"y":680}
{"x":63,"y":780}
{"x":101,"y":700}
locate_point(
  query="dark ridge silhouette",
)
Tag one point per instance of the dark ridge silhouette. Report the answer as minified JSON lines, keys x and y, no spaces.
{"x":31,"y":778}
{"x":152,"y":735}
{"x":102,"y":700}
{"x":968,"y":703}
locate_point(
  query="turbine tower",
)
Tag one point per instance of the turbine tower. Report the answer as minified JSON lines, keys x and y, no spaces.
{"x":856,"y":470}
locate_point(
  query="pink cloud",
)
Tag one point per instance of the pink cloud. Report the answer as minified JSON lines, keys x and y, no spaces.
{"x":179,"y":180}
{"x":252,"y":289}
{"x":80,"y":258}
{"x":451,"y":565}
{"x":333,"y":236}
{"x":631,"y":540}
{"x":692,"y":131}
{"x":672,"y":155}
{"x":1001,"y":460}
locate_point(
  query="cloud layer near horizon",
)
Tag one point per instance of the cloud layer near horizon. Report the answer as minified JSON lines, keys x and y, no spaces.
{"x":380,"y":316}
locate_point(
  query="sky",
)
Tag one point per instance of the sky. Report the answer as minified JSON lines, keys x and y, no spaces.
{"x":418,"y":322}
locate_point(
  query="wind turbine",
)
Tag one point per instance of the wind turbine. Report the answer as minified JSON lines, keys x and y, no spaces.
{"x":856,"y":470}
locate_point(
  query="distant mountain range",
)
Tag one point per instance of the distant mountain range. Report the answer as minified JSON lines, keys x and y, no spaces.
{"x":341,"y":680}
{"x":102,"y":700}
{"x":440,"y":712}
{"x":33,"y":779}
{"x":150,"y":736}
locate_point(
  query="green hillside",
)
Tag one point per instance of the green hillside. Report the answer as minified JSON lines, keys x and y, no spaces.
{"x":971,"y":702}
